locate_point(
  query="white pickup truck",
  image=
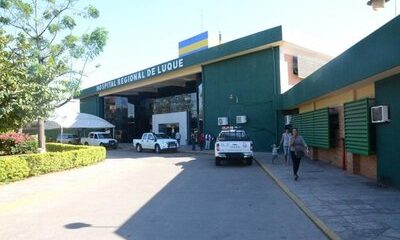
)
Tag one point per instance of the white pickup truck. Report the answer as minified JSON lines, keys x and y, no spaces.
{"x":100,"y":139}
{"x":155,"y":141}
{"x":233,"y":144}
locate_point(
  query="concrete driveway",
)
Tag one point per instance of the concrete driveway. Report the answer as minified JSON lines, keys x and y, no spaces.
{"x":147,"y":196}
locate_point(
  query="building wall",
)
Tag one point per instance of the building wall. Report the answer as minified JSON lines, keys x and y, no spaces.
{"x":254,"y":80}
{"x":354,"y":163}
{"x":375,"y":54}
{"x":287,"y":52}
{"x":92,"y":105}
{"x":387,"y":93}
{"x":287,"y":72}
{"x":177,"y":117}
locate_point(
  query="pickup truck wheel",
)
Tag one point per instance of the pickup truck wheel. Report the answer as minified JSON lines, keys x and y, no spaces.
{"x":138,"y":148}
{"x":217,"y":161}
{"x":157,"y":149}
{"x":249,"y":162}
{"x":101,"y":145}
{"x":86,"y":143}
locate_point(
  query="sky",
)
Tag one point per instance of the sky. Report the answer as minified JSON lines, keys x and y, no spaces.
{"x":145,"y":33}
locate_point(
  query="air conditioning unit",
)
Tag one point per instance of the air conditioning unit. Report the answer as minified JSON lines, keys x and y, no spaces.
{"x":241,"y":119}
{"x":222,"y":121}
{"x":288,"y":119}
{"x":380,"y":114}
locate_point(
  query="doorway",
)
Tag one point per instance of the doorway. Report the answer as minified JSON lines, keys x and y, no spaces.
{"x":169,"y":128}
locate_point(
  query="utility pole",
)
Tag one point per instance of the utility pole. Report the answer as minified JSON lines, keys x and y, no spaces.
{"x":201,"y":20}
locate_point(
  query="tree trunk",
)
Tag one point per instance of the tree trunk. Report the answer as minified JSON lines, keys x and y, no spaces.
{"x":41,"y":135}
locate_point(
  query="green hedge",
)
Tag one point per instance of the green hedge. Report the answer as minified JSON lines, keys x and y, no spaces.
{"x":59,"y":157}
{"x":13,"y":169}
{"x":57,"y":147}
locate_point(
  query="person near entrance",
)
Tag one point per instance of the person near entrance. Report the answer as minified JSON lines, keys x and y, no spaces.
{"x":285,"y":139}
{"x":297,"y":150}
{"x":200,"y":141}
{"x":208,"y":139}
{"x":193,"y":140}
{"x":178,"y":138}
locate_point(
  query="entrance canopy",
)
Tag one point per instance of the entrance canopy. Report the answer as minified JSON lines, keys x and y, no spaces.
{"x":78,"y":120}
{"x":183,"y":81}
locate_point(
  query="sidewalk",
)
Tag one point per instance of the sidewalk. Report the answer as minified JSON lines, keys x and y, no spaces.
{"x":351,"y":206}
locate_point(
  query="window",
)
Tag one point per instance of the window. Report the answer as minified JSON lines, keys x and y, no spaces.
{"x":233,"y":136}
{"x":144,"y":137}
{"x":295,"y":65}
{"x":162,"y":136}
{"x":103,"y":135}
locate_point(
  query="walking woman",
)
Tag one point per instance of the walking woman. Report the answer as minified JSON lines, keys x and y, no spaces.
{"x":297,"y":148}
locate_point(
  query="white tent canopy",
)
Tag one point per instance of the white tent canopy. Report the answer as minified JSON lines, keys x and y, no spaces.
{"x":76,"y":120}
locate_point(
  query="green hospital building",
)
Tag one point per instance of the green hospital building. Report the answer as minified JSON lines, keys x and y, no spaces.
{"x":347,"y":108}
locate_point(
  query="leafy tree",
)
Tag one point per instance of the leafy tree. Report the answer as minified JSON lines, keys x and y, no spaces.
{"x":58,"y":50}
{"x":17,"y":92}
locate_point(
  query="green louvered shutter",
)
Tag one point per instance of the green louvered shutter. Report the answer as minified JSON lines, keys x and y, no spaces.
{"x":307,"y":127}
{"x":321,"y":129}
{"x":296,"y":121}
{"x":357,"y":127}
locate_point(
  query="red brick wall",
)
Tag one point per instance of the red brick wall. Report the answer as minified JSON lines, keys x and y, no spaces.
{"x":368,"y":166}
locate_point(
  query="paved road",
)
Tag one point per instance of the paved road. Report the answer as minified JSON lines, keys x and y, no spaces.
{"x":146,"y":196}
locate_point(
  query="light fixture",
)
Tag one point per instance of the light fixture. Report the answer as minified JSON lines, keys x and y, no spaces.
{"x":377,"y":4}
{"x":234,"y":97}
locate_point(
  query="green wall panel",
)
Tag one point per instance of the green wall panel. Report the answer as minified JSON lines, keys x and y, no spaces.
{"x":92,"y":105}
{"x":387,"y":134}
{"x":357,"y":127}
{"x":253,"y":78}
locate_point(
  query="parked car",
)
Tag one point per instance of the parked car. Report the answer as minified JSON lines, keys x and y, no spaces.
{"x":100,"y":139}
{"x":233,"y":144}
{"x":155,"y":141}
{"x":67,"y":138}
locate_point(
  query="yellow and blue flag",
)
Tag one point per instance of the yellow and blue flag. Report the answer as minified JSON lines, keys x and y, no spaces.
{"x":193,"y":44}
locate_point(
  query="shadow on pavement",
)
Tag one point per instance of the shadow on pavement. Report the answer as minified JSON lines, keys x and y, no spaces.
{"x":79,"y":225}
{"x":227,"y":202}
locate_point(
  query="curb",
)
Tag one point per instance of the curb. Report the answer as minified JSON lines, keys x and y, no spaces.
{"x":195,"y":152}
{"x":318,"y":222}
